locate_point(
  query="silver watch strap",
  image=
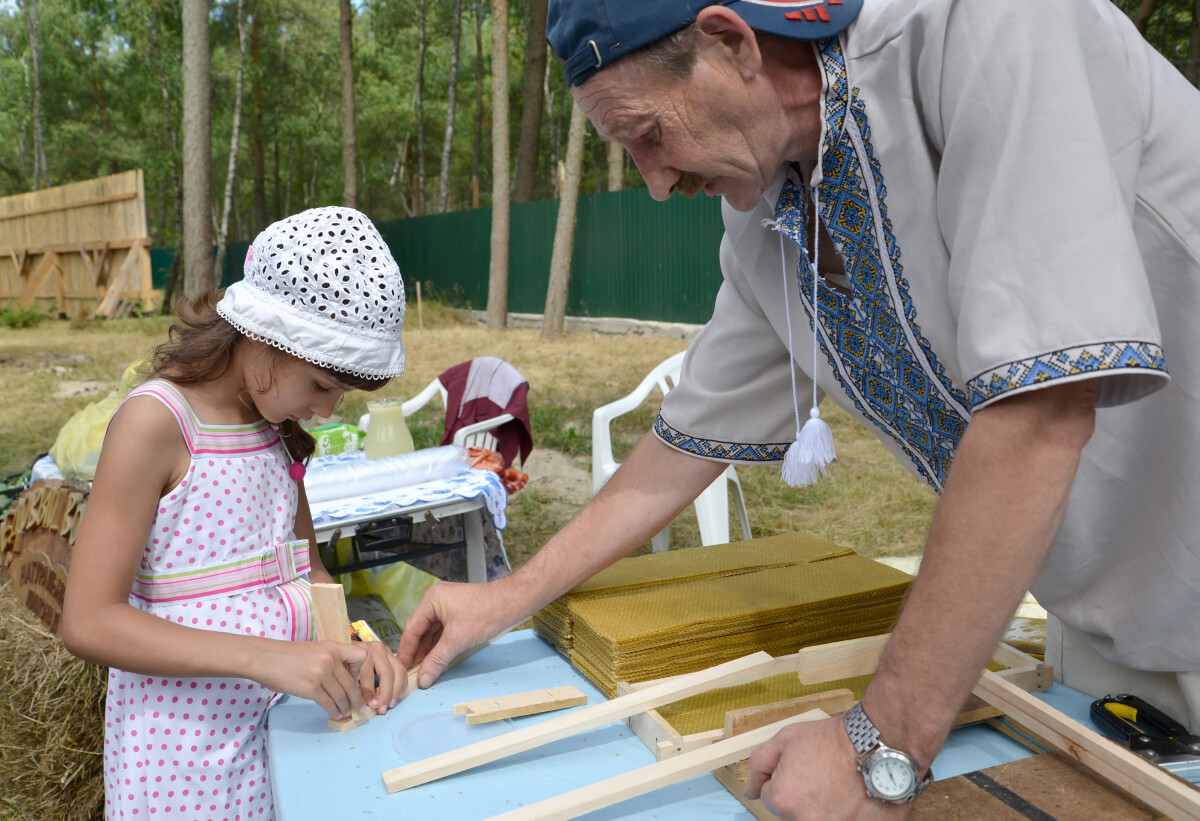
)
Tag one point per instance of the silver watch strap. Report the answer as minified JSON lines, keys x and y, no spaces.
{"x":862,"y":732}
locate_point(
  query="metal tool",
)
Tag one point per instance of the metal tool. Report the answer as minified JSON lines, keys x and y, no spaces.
{"x":1149,"y":732}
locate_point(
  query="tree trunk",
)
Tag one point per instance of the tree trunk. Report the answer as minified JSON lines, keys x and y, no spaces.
{"x":497,"y":305}
{"x":197,"y":150}
{"x":616,"y":167}
{"x":41,"y":173}
{"x":1141,"y":18}
{"x":349,"y":140}
{"x":451,"y":102}
{"x":420,"y":197}
{"x":234,"y":138}
{"x":531,"y":110}
{"x":477,"y":150}
{"x":564,"y":230}
{"x":171,"y":144}
{"x":257,"y":151}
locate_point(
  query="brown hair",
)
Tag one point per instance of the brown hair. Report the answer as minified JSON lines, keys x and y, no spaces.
{"x":200,"y":348}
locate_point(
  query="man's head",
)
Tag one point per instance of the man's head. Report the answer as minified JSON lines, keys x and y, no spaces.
{"x":703,"y":95}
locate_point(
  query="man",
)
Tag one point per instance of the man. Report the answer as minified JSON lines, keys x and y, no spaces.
{"x":1003,"y":200}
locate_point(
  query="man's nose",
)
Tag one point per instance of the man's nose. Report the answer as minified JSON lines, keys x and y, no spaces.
{"x":660,"y":179}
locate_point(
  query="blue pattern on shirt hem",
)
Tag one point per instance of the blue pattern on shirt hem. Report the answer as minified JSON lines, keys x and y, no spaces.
{"x":1118,"y":355}
{"x":714,"y":449}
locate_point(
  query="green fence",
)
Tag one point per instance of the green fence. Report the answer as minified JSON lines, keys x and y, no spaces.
{"x":633,"y":257}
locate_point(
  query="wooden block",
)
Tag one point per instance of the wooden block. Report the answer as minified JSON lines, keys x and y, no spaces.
{"x":528,"y":703}
{"x":832,"y":702}
{"x":333,"y":624}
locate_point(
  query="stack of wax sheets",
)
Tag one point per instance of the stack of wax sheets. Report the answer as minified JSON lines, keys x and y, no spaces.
{"x":670,"y":613}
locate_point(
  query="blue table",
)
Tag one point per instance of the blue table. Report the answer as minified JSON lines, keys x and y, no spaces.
{"x":320,"y":773}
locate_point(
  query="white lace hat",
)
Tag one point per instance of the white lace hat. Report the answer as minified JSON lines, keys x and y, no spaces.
{"x":323,"y":286}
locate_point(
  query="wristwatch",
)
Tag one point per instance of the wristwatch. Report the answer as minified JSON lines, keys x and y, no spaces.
{"x":891,"y":775}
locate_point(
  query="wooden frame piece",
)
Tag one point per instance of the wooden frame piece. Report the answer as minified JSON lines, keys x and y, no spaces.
{"x":822,"y":664}
{"x":748,"y":668}
{"x":660,"y":774}
{"x":1146,"y":781}
{"x":333,"y":624}
{"x":515,"y":705}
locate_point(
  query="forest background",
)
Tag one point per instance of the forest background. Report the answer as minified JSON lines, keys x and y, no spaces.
{"x":94,"y":87}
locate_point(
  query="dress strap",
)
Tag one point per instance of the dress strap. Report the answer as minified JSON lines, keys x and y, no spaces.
{"x":202,"y":438}
{"x":170,"y":396}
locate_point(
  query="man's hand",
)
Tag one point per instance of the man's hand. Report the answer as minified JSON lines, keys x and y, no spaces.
{"x":808,"y":771}
{"x":451,"y":619}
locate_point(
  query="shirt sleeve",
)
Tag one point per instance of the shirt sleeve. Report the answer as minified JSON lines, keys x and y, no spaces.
{"x":1042,"y":108}
{"x":734,"y":399}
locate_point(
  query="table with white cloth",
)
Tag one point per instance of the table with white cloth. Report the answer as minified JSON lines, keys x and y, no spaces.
{"x":476,"y":495}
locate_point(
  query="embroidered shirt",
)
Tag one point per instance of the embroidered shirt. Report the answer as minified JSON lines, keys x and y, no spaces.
{"x":1014,"y":194}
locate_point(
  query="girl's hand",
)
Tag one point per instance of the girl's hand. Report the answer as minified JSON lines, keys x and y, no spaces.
{"x":323,"y":671}
{"x":380,"y":662}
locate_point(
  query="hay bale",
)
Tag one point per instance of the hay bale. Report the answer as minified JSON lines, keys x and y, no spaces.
{"x":51,"y":722}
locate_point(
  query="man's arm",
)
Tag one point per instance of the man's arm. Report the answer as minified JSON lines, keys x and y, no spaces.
{"x":642,"y":497}
{"x":1003,"y":503}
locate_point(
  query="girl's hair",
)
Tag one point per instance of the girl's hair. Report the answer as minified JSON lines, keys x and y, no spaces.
{"x":200,"y":348}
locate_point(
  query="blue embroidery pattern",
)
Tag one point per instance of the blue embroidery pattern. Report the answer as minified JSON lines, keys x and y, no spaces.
{"x":879,"y":356}
{"x":1067,"y":362}
{"x":713,"y":449}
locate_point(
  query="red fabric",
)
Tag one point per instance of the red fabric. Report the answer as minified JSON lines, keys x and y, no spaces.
{"x":511,"y":437}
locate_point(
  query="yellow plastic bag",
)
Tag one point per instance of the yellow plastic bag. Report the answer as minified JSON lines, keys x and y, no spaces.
{"x":77,"y":448}
{"x":400,"y":585}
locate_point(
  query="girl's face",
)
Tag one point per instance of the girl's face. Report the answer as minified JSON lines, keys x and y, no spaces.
{"x":282,"y":387}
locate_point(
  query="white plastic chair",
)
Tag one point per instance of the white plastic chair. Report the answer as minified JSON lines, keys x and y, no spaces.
{"x":478,"y":435}
{"x":712,"y":506}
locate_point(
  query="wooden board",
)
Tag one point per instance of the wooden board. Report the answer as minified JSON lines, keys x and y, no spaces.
{"x":333,"y":624}
{"x":514,"y":705}
{"x":1048,"y":787}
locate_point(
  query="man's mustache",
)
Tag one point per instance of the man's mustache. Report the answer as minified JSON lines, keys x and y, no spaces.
{"x":690,"y":184}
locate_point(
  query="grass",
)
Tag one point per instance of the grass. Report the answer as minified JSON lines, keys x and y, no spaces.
{"x":869,"y":501}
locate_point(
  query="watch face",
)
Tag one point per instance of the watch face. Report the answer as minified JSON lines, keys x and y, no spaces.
{"x":892,"y":778}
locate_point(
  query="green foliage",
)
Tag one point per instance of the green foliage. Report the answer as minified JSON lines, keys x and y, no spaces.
{"x":14,"y":316}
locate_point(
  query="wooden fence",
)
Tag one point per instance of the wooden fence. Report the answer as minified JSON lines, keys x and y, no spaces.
{"x":82,"y":247}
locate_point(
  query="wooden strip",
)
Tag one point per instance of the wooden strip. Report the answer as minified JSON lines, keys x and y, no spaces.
{"x":333,"y":624}
{"x":514,"y":705}
{"x":749,"y":718}
{"x":74,"y":247}
{"x":841,"y":659}
{"x":50,"y":209}
{"x":113,"y":294}
{"x":48,"y":263}
{"x":639,"y":782}
{"x":748,"y":668}
{"x":1127,"y":770}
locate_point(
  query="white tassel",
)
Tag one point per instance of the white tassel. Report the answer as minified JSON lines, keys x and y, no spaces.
{"x":806,"y":459}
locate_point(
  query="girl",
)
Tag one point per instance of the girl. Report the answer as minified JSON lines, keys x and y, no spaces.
{"x":191,"y":574}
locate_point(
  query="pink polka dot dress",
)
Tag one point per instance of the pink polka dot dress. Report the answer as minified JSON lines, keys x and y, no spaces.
{"x":221,"y":555}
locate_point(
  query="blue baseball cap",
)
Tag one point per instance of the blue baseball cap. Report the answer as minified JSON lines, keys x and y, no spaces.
{"x":587,"y":35}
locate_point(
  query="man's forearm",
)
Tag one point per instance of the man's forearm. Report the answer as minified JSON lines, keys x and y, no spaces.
{"x":646,"y":493}
{"x":1002,"y":505}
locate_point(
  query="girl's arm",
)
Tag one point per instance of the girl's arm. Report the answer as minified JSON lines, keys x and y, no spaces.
{"x":144,"y":455}
{"x":380,"y":661}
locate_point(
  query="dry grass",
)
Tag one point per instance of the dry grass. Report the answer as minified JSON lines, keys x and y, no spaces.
{"x":50,"y":760}
{"x":869,"y":502}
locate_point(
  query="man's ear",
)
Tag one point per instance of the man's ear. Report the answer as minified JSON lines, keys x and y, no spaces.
{"x":718,"y":27}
